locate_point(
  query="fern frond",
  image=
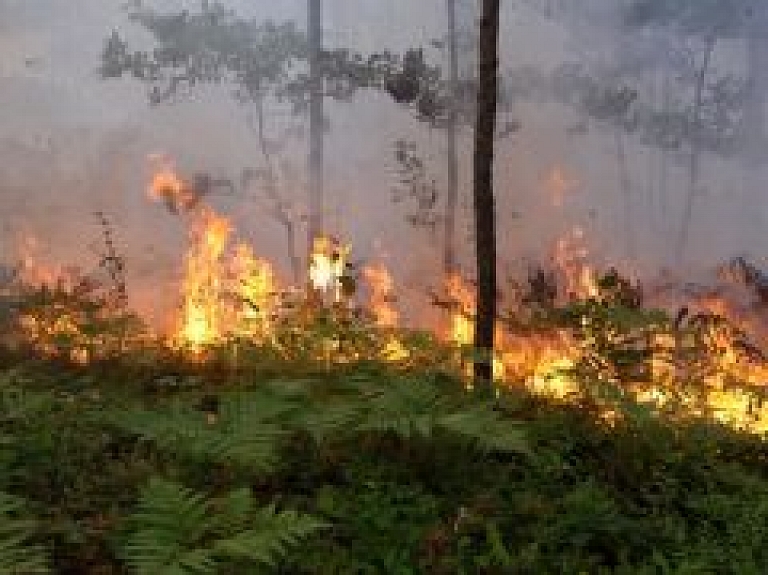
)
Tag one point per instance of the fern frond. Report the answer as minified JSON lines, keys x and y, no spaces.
{"x":334,"y":418}
{"x":272,"y":536}
{"x":416,"y":407}
{"x":17,"y":555}
{"x":168,"y":529}
{"x":176,"y":531}
{"x":232,"y":513}
{"x":486,"y":429}
{"x":244,"y":432}
{"x":406,"y":406}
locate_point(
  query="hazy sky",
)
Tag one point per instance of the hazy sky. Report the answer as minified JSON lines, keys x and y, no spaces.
{"x":71,"y":143}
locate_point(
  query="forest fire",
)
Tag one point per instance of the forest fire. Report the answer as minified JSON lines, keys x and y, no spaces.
{"x":540,"y":360}
{"x":228,"y":294}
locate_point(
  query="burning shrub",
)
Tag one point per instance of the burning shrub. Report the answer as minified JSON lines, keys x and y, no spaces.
{"x":75,"y":323}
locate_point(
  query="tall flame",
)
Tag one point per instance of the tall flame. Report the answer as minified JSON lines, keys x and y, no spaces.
{"x":256,"y":294}
{"x":223,"y":293}
{"x":202,"y":287}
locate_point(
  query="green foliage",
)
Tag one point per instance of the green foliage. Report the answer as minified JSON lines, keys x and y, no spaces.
{"x":244,"y":430}
{"x":176,"y":531}
{"x":18,"y":555}
{"x":214,"y":46}
{"x":414,"y":473}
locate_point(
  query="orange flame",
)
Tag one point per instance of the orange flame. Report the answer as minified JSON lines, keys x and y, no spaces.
{"x":382,"y":295}
{"x":202,"y":287}
{"x":214,"y":278}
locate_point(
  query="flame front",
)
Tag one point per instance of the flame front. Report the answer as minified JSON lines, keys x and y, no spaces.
{"x":229,"y":294}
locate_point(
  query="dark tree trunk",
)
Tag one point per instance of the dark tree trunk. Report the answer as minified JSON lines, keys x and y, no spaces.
{"x":452,"y":195}
{"x":485,"y":217}
{"x":316,"y":120}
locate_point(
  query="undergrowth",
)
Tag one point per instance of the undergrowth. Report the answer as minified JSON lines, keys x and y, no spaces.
{"x":268,"y":460}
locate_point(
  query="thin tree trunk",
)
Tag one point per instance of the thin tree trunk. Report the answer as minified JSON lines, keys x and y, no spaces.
{"x":316,"y":120}
{"x":653,"y":165}
{"x":485,"y":218}
{"x":625,"y":182}
{"x":664,"y":167}
{"x":284,"y":217}
{"x":694,"y":163}
{"x":452,"y":195}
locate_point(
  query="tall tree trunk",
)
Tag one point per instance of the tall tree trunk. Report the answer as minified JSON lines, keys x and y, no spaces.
{"x":664,"y":167}
{"x":694,"y":163}
{"x":485,"y":217}
{"x":452,"y":195}
{"x":281,"y":212}
{"x":316,"y":120}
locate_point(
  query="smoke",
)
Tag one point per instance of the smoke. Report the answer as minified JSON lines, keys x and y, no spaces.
{"x":72,"y":144}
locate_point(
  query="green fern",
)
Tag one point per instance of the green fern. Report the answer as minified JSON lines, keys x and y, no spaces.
{"x":17,"y":555}
{"x":414,"y":407}
{"x":271,"y":536}
{"x":486,"y":429}
{"x":176,"y":531}
{"x":244,"y":432}
{"x":406,"y":406}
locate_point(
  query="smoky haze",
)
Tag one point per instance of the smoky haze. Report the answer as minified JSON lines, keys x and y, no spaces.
{"x":72,"y":144}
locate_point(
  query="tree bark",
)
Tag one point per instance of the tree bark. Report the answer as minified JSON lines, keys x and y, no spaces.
{"x":316,"y":121}
{"x":485,"y":217}
{"x":452,"y":193}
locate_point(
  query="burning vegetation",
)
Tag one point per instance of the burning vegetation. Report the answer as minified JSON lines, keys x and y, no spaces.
{"x":568,"y":332}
